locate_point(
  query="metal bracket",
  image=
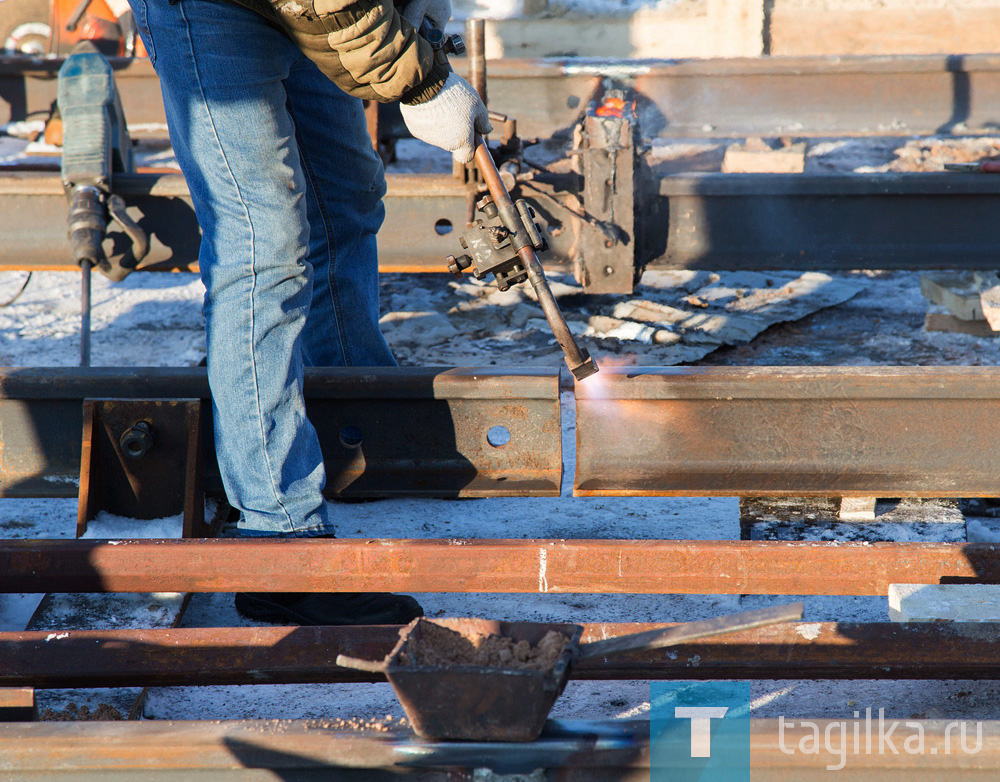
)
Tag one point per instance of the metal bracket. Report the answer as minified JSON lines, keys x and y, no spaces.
{"x":141,"y":458}
{"x":606,"y":148}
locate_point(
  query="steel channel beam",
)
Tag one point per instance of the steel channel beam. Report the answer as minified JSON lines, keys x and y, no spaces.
{"x":424,"y":431}
{"x":726,"y":97}
{"x":303,"y":655}
{"x":829,"y":221}
{"x":797,"y":431}
{"x":486,"y":565}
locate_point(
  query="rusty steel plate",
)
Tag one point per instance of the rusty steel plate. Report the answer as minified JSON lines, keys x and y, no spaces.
{"x":383,"y":431}
{"x":484,"y":565}
{"x":798,"y":431}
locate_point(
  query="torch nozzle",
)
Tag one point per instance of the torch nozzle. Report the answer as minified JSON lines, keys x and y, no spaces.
{"x":586,"y":369}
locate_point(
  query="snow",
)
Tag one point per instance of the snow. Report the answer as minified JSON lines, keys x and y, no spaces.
{"x":107,"y":525}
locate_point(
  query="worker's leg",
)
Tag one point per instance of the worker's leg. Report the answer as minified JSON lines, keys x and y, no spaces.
{"x":344,"y":188}
{"x":222,"y":70}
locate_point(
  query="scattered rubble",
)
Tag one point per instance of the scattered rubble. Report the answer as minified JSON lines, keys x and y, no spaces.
{"x":74,"y":713}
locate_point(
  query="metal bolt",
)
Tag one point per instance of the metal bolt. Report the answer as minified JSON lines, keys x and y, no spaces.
{"x":136,"y":441}
{"x":608,"y":271}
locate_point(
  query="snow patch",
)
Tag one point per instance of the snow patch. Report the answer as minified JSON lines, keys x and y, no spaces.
{"x":809,"y":631}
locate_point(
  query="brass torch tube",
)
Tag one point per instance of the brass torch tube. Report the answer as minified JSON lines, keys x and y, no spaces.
{"x":579,"y":361}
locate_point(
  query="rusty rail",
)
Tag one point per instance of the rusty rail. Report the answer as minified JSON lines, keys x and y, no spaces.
{"x":582,"y":751}
{"x":866,"y":431}
{"x":800,"y":96}
{"x":302,"y":655}
{"x":482,"y":565}
{"x":423,"y":431}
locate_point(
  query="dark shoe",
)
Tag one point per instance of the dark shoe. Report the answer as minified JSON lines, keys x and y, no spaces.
{"x":328,"y":608}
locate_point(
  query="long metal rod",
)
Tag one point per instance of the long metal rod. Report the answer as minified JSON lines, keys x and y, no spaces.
{"x":574,"y":751}
{"x":85,"y":307}
{"x":328,"y":749}
{"x":480,"y":565}
{"x":302,"y":655}
{"x":475,"y":32}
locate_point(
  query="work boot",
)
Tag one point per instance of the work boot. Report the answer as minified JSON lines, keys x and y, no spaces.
{"x":328,"y":608}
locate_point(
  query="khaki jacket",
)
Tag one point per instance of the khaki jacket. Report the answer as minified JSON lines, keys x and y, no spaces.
{"x":364,"y":46}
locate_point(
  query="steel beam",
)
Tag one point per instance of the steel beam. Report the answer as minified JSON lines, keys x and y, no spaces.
{"x":303,"y":655}
{"x":796,"y":431}
{"x":423,"y":432}
{"x":726,"y":97}
{"x":486,"y":565}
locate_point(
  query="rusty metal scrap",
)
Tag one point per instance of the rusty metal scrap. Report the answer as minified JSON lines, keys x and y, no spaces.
{"x":484,"y":565}
{"x":799,"y":431}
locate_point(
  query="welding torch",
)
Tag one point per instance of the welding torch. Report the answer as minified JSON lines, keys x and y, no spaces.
{"x":517,"y":219}
{"x":509,"y":225}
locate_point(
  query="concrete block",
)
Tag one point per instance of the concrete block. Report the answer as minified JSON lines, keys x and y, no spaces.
{"x":955,"y":291}
{"x":989,"y":296}
{"x":755,"y":157}
{"x":813,"y":27}
{"x":857,"y":509}
{"x":941,"y":321}
{"x":944,"y":602}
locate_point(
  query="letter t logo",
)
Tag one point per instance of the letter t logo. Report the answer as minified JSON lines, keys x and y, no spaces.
{"x":701,"y":731}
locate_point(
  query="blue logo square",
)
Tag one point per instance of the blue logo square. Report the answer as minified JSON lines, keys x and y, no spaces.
{"x":700,"y":731}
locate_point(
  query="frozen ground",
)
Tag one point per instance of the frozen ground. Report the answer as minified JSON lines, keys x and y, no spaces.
{"x":156,"y":320}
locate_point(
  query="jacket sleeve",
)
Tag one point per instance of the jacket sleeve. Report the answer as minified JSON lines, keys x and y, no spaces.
{"x":364,"y":46}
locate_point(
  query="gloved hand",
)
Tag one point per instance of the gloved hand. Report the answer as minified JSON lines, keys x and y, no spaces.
{"x":437,"y":12}
{"x":450,"y":119}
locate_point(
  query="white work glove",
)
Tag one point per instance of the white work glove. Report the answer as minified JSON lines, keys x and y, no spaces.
{"x":437,"y":12}
{"x":449,"y":120}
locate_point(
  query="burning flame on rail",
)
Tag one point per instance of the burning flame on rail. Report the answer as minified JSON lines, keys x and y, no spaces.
{"x":599,"y":385}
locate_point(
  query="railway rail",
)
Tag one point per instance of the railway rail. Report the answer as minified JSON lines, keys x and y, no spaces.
{"x":713,"y":98}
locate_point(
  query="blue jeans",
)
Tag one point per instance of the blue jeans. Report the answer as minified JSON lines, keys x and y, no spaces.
{"x":288,"y":193}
